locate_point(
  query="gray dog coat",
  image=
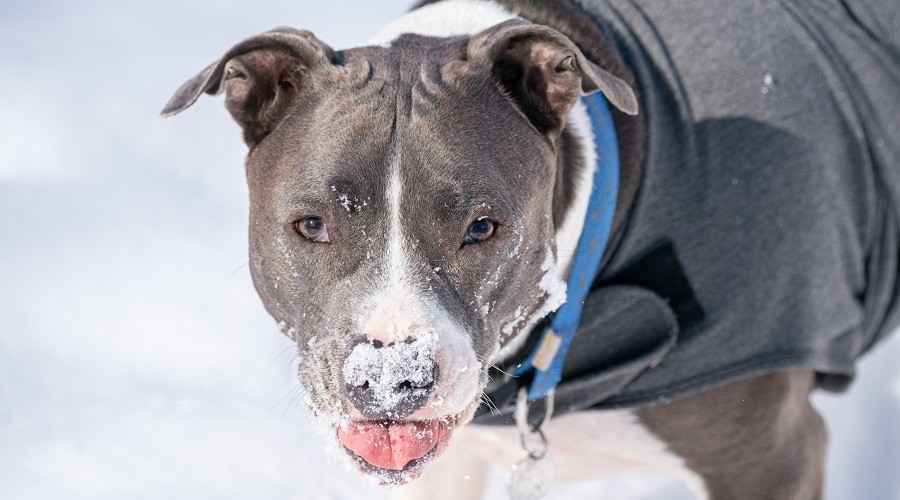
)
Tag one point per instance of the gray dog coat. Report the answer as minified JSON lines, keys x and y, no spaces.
{"x":765,"y":234}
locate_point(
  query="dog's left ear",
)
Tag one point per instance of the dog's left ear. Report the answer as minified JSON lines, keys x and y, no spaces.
{"x":545,"y":72}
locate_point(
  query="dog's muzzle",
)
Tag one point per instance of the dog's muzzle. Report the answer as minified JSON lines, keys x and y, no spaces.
{"x":391,"y":381}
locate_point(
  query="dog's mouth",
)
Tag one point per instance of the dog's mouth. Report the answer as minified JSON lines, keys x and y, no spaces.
{"x":394,"y":451}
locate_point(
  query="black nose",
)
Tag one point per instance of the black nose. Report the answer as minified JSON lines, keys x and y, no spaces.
{"x":390,"y":381}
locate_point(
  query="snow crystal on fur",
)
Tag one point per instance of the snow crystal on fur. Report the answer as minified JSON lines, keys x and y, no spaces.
{"x":552,"y":283}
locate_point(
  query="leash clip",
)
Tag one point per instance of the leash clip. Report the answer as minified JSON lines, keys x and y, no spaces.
{"x":532,"y":437}
{"x":530,"y":478}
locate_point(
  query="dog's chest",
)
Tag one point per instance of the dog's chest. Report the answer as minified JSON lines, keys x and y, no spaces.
{"x":586,"y":445}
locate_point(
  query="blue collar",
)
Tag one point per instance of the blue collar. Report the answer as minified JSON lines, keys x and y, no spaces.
{"x":548,"y":356}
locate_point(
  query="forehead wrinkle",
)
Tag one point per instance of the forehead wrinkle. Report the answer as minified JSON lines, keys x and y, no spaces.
{"x":316,"y":151}
{"x":459,"y":200}
{"x":456,"y":140}
{"x":468,"y":174}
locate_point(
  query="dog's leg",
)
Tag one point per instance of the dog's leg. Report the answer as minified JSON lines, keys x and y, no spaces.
{"x":748,"y":440}
{"x":455,"y":475}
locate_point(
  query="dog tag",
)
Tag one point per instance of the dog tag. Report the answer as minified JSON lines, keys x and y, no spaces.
{"x":530,"y":479}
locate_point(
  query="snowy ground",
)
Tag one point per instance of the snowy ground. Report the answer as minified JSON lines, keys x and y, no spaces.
{"x":135,"y":359}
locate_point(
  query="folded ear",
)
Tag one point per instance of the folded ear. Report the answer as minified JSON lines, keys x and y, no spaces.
{"x":545,"y":72}
{"x":260,"y":77}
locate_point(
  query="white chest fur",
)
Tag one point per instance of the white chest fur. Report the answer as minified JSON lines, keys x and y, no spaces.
{"x":587,"y":445}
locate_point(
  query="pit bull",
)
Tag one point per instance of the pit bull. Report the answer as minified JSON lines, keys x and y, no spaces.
{"x":417,"y":203}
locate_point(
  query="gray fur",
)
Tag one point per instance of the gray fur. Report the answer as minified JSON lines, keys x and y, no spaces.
{"x":751,"y":439}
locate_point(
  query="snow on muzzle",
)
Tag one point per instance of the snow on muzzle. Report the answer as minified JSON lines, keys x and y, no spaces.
{"x":391,"y":381}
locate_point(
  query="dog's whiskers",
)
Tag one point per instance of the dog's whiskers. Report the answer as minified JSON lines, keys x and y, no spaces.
{"x":238,"y":268}
{"x":494,"y":366}
{"x":288,"y":401}
{"x":490,"y":404}
{"x":289,"y":351}
{"x":481,"y":359}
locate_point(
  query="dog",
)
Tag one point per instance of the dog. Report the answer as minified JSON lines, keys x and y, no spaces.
{"x":418,"y":207}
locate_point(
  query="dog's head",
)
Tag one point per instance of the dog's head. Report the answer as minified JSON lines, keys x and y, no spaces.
{"x":401,"y":203}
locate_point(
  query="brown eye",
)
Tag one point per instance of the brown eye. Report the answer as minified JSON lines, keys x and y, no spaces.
{"x":312,"y":228}
{"x":480,"y":230}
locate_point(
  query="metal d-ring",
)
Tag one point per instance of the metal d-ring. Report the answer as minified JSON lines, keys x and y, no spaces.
{"x":536,"y":449}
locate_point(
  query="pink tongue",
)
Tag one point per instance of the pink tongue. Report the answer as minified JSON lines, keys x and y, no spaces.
{"x":391,"y":445}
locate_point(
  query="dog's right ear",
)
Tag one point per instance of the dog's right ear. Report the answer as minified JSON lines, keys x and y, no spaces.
{"x":260,"y":77}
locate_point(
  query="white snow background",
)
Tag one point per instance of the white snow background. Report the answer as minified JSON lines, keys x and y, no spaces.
{"x":136,"y":361}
